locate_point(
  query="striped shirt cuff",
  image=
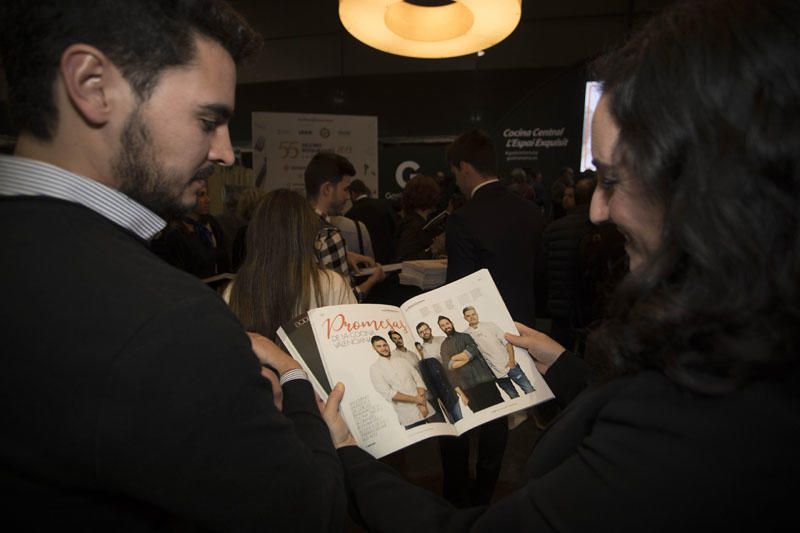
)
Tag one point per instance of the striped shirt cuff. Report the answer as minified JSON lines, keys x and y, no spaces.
{"x":291,"y":375}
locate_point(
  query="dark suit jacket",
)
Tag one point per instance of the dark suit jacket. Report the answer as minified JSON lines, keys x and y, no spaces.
{"x":381,"y":223}
{"x":500,"y":231}
{"x":561,"y":242}
{"x":131,"y":397}
{"x":634,"y":454}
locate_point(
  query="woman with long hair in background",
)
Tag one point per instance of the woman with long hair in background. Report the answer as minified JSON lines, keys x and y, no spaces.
{"x":280,"y":277}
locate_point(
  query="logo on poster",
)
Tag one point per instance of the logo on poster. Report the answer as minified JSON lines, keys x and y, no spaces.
{"x":405,"y":171}
{"x":536,"y":138}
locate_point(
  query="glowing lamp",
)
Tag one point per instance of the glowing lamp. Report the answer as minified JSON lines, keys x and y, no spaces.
{"x":430,"y":28}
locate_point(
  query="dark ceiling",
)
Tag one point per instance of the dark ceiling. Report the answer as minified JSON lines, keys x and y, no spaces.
{"x":304,"y":39}
{"x":309,"y":63}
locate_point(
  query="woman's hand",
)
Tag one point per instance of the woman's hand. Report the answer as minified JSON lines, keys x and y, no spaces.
{"x":544,"y":350}
{"x":356,"y":261}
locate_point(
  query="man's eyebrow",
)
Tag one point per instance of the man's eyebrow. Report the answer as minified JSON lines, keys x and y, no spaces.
{"x":222,"y":111}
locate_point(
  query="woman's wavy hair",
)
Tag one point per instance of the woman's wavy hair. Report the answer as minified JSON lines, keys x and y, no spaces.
{"x":707,"y":100}
{"x":280,"y":271}
{"x":421,"y":192}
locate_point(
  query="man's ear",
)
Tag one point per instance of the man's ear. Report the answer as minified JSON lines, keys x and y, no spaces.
{"x":326,"y":189}
{"x":467,"y":169}
{"x":90,"y":81}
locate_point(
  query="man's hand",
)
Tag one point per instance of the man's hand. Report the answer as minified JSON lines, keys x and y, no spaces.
{"x":438,"y":245}
{"x":423,"y":410}
{"x":277,"y":391}
{"x":340,"y":433}
{"x":544,"y":350}
{"x":419,"y":399}
{"x":462,"y":395}
{"x":355,"y":261}
{"x":378,"y":274}
{"x":270,"y":355}
{"x":511,"y":360}
{"x":459,"y":360}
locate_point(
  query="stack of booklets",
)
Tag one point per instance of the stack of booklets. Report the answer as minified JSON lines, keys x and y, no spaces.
{"x":425,"y":273}
{"x":437,"y":365}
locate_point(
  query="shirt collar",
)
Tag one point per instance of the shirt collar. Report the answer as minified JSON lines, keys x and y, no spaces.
{"x":323,"y":216}
{"x":20,"y":176}
{"x":487,"y":182}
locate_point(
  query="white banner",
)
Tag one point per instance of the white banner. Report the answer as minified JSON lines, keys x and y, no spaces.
{"x":284,"y":143}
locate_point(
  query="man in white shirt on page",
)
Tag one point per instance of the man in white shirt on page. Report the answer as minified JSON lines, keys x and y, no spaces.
{"x":397,"y":382}
{"x":401,"y":352}
{"x":498,"y":353}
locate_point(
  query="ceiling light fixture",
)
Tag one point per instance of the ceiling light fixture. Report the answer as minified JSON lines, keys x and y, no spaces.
{"x":430,"y":28}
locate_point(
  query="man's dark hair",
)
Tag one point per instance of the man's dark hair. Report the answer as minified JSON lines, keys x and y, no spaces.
{"x":141,"y":37}
{"x":391,"y":331}
{"x":584,"y":189}
{"x":358,"y":186}
{"x":326,"y":167}
{"x":476,"y":148}
{"x":709,"y":128}
{"x":443,"y":318}
{"x":420,"y":325}
{"x":376,"y":338}
{"x":518,"y":175}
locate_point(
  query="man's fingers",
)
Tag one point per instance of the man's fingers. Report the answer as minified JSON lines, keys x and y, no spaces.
{"x":277,"y":391}
{"x":270,"y":354}
{"x":334,"y":399}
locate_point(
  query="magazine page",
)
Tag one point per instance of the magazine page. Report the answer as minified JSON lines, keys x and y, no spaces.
{"x":369,"y":348}
{"x":475,"y":373}
{"x":298,"y":337}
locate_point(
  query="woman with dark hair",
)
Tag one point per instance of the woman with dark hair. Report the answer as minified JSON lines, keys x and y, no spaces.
{"x":280,"y":277}
{"x":697,"y":424}
{"x":420,"y":197}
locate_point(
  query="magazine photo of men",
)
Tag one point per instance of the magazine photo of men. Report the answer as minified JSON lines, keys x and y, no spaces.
{"x":467,"y":368}
{"x":400,"y":384}
{"x":400,"y":351}
{"x":434,"y":374}
{"x":414,"y":359}
{"x":497,"y":353}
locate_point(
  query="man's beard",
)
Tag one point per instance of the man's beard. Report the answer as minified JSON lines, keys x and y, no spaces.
{"x":142,"y":179}
{"x":336,"y":208}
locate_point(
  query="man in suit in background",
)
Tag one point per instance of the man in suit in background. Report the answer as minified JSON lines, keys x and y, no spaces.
{"x":496,"y":229}
{"x":379,"y":218}
{"x":500,"y":231}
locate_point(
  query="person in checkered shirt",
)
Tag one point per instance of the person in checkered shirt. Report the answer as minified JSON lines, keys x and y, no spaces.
{"x":327,"y":177}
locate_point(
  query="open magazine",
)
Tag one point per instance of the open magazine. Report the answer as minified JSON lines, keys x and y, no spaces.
{"x":437,"y":365}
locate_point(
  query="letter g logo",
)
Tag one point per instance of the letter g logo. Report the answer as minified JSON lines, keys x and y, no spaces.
{"x":401,"y":174}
